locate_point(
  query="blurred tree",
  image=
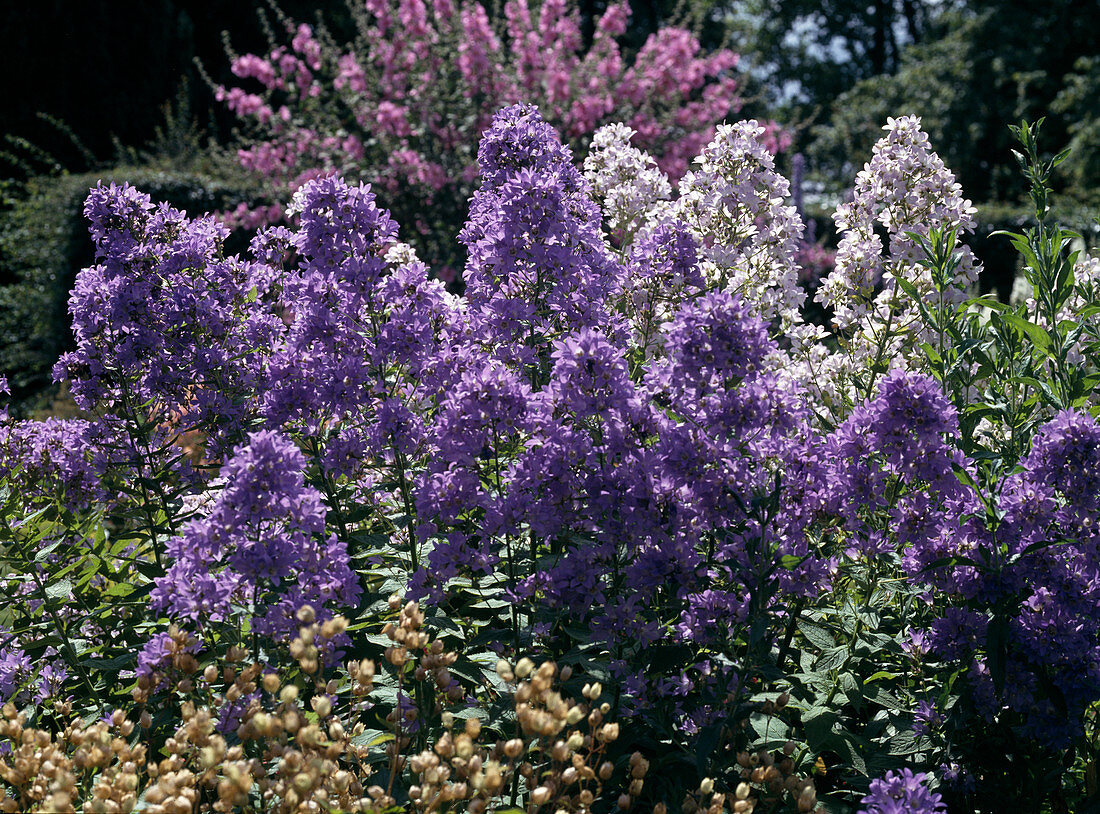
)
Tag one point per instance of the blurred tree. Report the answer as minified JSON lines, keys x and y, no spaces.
{"x":807,"y":52}
{"x":967,"y":67}
{"x":995,"y":63}
{"x":1078,"y":103}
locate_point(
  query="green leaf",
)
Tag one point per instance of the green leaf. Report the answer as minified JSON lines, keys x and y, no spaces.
{"x":880,"y":675}
{"x":372,"y":737}
{"x":884,"y":698}
{"x":790,"y":562}
{"x":818,"y":723}
{"x":849,"y":747}
{"x":1039,"y":337}
{"x":816,"y":635}
{"x":59,"y":589}
{"x":119,"y":589}
{"x":832,"y":658}
{"x":1058,"y":159}
{"x":904,"y":743}
{"x":932,"y":354}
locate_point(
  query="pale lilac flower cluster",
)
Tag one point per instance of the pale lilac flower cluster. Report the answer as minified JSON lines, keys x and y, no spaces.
{"x":904,"y":188}
{"x":626,"y":181}
{"x":734,"y":201}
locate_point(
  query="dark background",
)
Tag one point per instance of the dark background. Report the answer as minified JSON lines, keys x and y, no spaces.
{"x":106,"y":67}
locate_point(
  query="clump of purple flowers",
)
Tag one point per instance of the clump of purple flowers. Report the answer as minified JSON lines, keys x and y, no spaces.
{"x":902,"y":793}
{"x":60,"y":459}
{"x":262,"y":546}
{"x":160,"y":319}
{"x":613,"y":441}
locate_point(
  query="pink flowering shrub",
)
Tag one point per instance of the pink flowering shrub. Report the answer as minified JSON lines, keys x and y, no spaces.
{"x":403,"y":105}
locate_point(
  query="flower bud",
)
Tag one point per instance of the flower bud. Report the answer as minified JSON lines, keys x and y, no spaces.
{"x":513,"y":748}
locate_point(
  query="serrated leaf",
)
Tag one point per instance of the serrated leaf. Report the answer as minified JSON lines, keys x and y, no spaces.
{"x":816,"y":635}
{"x":832,"y":658}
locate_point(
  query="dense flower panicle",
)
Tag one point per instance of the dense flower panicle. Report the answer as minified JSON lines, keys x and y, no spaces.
{"x":910,"y":417}
{"x":487,"y":406}
{"x":734,"y":201}
{"x":261,"y":546}
{"x":341,"y":231}
{"x":590,"y":376}
{"x":904,"y":188}
{"x":520,"y":139}
{"x":538,"y":265}
{"x":1050,"y":583}
{"x":904,"y":434}
{"x":321,"y":366}
{"x":902,"y":793}
{"x":582,"y":463}
{"x":624,"y":180}
{"x":1065,"y":455}
{"x":711,"y":345}
{"x":1050,"y":524}
{"x":482,"y":419}
{"x":159,"y":320}
{"x":55,"y":458}
{"x":420,"y":316}
{"x":663,"y":268}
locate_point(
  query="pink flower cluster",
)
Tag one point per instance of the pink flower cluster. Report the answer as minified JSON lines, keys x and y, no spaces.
{"x":402,"y":107}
